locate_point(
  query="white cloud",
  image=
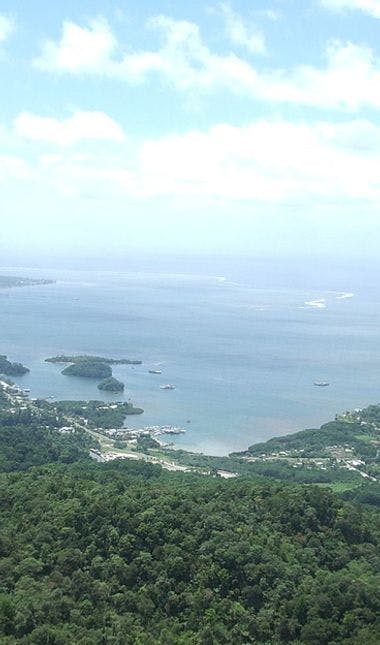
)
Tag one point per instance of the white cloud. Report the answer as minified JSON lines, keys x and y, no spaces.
{"x":6,"y":27}
{"x":65,"y":132}
{"x":240,"y":34}
{"x":349,"y":80}
{"x":80,"y":49}
{"x":267,"y":162}
{"x":372,"y":7}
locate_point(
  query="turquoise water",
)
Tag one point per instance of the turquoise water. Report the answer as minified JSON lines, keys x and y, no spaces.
{"x":242,"y":343}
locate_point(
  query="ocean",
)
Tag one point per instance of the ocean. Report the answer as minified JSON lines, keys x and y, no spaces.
{"x":242,"y":340}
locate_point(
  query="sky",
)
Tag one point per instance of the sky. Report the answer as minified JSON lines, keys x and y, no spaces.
{"x":190,"y":127}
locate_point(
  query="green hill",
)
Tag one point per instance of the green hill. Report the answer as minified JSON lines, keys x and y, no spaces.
{"x":111,"y":384}
{"x":124,"y":552}
{"x":89,"y":369}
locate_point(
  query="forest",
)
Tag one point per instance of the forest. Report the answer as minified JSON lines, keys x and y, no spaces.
{"x":89,"y":369}
{"x":125,"y":552}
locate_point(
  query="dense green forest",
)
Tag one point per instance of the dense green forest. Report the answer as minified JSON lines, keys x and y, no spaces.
{"x":88,"y":369}
{"x":125,"y":552}
{"x":24,"y":446}
{"x":122,"y":553}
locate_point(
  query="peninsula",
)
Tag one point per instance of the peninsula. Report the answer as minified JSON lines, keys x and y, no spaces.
{"x":12,"y":369}
{"x":8,"y":281}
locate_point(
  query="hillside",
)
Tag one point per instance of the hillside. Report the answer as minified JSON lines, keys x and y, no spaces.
{"x":125,"y":552}
{"x":339,"y":450}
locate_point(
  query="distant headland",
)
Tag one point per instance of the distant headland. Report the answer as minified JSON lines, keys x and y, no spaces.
{"x":8,"y":281}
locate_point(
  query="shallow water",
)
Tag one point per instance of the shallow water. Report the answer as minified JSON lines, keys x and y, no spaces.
{"x":242,"y":342}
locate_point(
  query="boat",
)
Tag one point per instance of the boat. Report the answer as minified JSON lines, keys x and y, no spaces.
{"x":155,"y":372}
{"x":167,"y":387}
{"x":321,"y":383}
{"x":26,"y":390}
{"x":172,"y":430}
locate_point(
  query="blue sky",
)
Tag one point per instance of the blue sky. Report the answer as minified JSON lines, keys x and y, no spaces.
{"x":239,"y":126}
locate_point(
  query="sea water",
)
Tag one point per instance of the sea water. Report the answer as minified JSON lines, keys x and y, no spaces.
{"x":241,"y":340}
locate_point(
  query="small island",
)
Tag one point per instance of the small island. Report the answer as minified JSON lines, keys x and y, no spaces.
{"x":88,"y":369}
{"x":62,"y":358}
{"x":111,"y":384}
{"x":12,"y":369}
{"x":93,"y":367}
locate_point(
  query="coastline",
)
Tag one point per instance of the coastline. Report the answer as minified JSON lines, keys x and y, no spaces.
{"x":343,"y":452}
{"x":241,"y":380}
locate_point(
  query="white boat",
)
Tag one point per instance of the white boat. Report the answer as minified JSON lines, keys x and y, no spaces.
{"x":167,"y":387}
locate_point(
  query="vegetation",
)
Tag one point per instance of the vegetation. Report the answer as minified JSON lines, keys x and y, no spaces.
{"x":88,"y":369}
{"x":111,"y":385}
{"x":342,"y":451}
{"x":84,"y":358}
{"x":12,"y":369}
{"x":93,"y":367}
{"x":277,"y":469}
{"x":22,"y":447}
{"x":124,"y":552}
{"x":146,"y":443}
{"x":304,"y":474}
{"x":208,"y":462}
{"x":314,"y":443}
{"x":97,"y":414}
{"x":368,"y":493}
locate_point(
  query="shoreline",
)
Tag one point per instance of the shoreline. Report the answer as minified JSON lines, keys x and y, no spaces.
{"x":341,"y":452}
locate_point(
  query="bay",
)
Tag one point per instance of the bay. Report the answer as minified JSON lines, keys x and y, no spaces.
{"x":242,"y":340}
